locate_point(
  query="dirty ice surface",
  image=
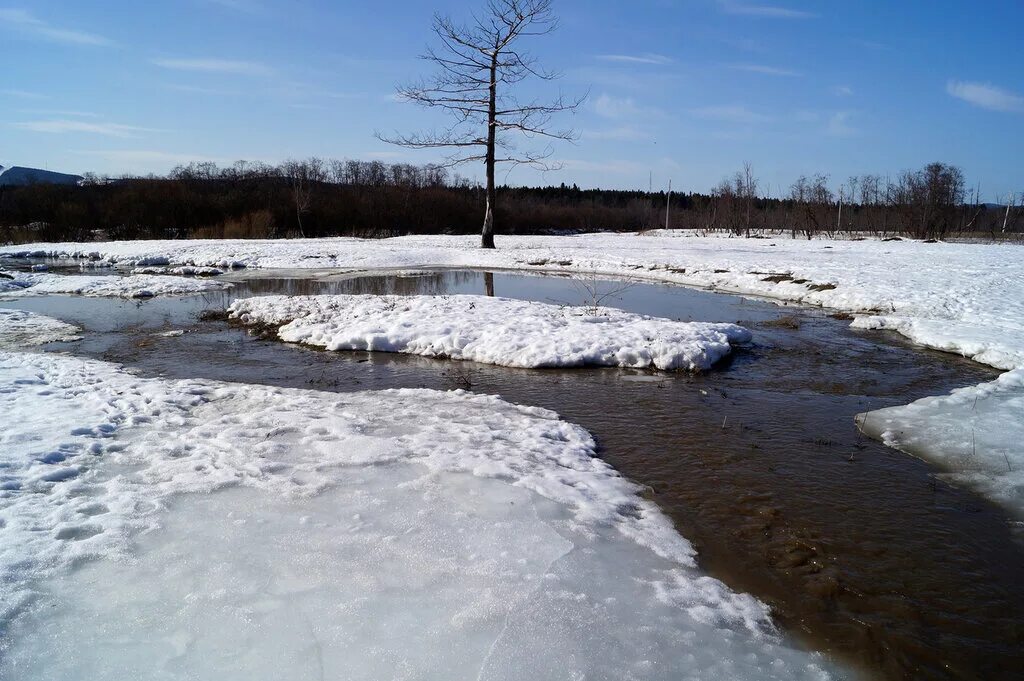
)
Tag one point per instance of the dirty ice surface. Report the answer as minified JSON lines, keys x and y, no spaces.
{"x":498,"y":331}
{"x":160,"y":529}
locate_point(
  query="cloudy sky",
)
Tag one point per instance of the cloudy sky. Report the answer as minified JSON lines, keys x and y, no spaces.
{"x":685,"y":89}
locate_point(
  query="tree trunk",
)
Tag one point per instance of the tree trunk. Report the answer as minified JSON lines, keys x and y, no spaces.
{"x":487,"y":236}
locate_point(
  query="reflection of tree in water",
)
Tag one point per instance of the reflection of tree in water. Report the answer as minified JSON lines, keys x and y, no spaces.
{"x":427,"y":283}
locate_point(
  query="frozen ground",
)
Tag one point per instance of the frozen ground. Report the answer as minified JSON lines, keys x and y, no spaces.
{"x":239,"y":531}
{"x":20,"y":329}
{"x":133,"y":286}
{"x":961,"y":298}
{"x":498,"y":331}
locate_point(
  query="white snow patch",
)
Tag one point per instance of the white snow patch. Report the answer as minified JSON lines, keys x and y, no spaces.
{"x":20,"y":329}
{"x":974,"y":434}
{"x":184,"y":270}
{"x":133,"y":286}
{"x":498,"y":331}
{"x":995,"y":342}
{"x":375,"y":535}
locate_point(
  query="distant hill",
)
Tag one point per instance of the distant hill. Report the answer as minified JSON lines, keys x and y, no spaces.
{"x":21,"y":176}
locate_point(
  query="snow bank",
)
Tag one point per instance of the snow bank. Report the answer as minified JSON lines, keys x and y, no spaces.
{"x":985,"y":337}
{"x":133,"y":286}
{"x":974,"y":434}
{"x":20,"y":329}
{"x":509,"y":547}
{"x":498,"y":331}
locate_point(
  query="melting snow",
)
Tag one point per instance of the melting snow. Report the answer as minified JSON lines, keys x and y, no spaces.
{"x":19,"y":329}
{"x":962,"y":298}
{"x":133,"y":286}
{"x":974,"y":434}
{"x":492,"y":330}
{"x":375,"y":535}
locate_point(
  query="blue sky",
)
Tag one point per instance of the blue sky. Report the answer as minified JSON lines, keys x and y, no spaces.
{"x":687,"y":90}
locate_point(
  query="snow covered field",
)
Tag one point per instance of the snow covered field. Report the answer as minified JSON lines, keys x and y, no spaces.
{"x":965,"y":298}
{"x":133,"y":286}
{"x":961,"y":298}
{"x":511,"y":550}
{"x":498,"y":331}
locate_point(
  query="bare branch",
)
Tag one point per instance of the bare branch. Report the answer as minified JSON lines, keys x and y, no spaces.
{"x":477,"y":65}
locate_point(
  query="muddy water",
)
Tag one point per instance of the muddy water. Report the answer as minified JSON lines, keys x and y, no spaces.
{"x":855,"y":546}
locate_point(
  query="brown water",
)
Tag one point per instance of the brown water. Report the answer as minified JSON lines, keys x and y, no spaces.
{"x":856,"y":547}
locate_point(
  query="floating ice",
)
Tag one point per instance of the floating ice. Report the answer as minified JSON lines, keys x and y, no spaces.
{"x":20,"y":329}
{"x":492,"y":330}
{"x":398,"y":534}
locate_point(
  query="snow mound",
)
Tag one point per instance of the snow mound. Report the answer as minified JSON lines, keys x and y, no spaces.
{"x":498,"y":331}
{"x":507,"y":547}
{"x":184,"y":270}
{"x":19,"y":329}
{"x":974,"y":434}
{"x":133,"y":286}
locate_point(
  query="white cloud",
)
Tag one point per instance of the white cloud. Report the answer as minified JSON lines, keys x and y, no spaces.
{"x":986,"y":95}
{"x":839,"y":125}
{"x":242,"y":68}
{"x":767,"y":11}
{"x":621,"y":133}
{"x":61,"y":112}
{"x":238,"y":5}
{"x":764,"y":70}
{"x":195,"y":89}
{"x":842,"y":91}
{"x":646,"y":58}
{"x":22,"y":94}
{"x":25,"y":22}
{"x":608,"y":106}
{"x":615,"y":107}
{"x":729,"y":114}
{"x":88,"y":127}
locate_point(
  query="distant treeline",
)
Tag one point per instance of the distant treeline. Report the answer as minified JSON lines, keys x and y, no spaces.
{"x":372,"y":199}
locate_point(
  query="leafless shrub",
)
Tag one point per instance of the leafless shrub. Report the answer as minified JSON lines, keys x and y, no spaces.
{"x":595,"y":291}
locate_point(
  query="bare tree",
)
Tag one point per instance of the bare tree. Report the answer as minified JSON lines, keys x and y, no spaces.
{"x":746,"y":185}
{"x":1011,"y":203}
{"x":478,"y":64}
{"x":302,"y":176}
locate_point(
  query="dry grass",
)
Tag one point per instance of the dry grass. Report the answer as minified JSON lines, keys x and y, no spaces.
{"x":785,"y":322}
{"x":257,"y":224}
